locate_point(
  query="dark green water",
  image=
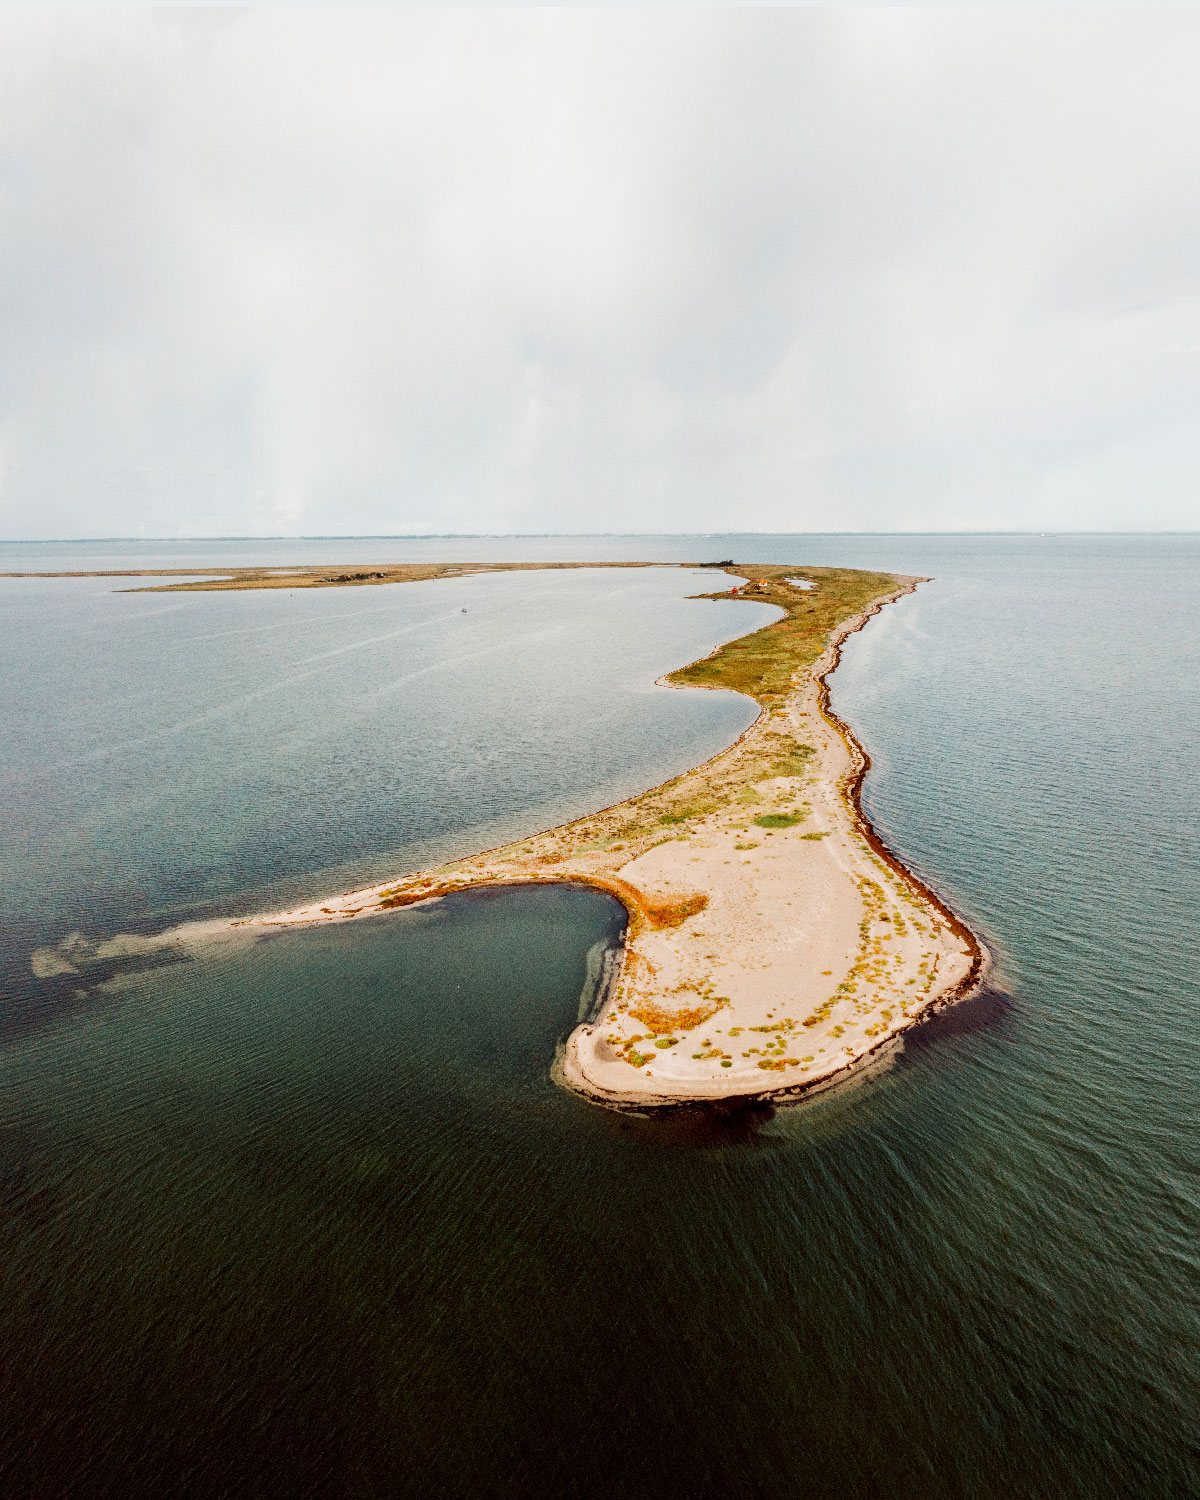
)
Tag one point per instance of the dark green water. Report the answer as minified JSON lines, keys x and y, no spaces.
{"x":310,"y":1218}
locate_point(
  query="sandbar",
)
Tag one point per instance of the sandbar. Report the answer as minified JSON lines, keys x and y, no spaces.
{"x":774,"y":945}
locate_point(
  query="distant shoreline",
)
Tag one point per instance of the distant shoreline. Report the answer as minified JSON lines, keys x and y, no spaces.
{"x":319,"y":576}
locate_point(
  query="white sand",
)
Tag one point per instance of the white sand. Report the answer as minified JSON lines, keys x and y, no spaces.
{"x":804,"y":923}
{"x":783,"y":934}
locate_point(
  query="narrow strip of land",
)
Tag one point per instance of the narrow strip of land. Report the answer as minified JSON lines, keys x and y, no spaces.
{"x":773,"y":943}
{"x":313,"y":575}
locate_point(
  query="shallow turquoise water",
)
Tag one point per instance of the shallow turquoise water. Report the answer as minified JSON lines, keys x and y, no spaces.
{"x":309,"y":1217}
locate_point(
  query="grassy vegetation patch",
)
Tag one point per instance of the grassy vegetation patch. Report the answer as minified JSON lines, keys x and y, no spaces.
{"x":787,"y":759}
{"x":687,"y":813}
{"x":764,"y":664}
{"x":780,"y":820}
{"x":410,"y":897}
{"x":673,"y":913}
{"x":659,"y":1020}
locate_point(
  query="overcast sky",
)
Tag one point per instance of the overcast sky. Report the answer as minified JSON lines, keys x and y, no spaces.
{"x":393,"y":271}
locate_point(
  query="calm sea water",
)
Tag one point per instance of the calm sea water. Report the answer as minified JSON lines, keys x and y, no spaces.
{"x":310,"y":1218}
{"x":173,"y":756}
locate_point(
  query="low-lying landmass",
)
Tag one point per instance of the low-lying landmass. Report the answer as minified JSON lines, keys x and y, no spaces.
{"x":773,"y":943}
{"x":310,"y":575}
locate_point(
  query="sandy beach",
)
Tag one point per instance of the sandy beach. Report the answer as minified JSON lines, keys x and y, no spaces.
{"x":773,"y":944}
{"x":813,"y":951}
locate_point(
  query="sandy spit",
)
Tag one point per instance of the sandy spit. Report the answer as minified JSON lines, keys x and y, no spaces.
{"x":774,"y":945}
{"x":760,"y":962}
{"x":822,"y":947}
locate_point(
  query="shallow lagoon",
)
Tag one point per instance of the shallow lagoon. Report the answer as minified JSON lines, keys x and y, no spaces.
{"x":309,"y":1217}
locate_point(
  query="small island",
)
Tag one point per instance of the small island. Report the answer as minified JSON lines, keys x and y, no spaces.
{"x":774,"y":944}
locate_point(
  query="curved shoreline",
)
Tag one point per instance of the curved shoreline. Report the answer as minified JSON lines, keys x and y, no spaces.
{"x":850,"y":787}
{"x":755,"y":888}
{"x":853,"y":792}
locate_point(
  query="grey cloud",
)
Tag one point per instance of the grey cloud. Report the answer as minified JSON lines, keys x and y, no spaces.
{"x":388,"y":270}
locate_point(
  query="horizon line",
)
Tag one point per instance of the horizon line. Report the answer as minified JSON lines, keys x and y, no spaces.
{"x":427,"y":536}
